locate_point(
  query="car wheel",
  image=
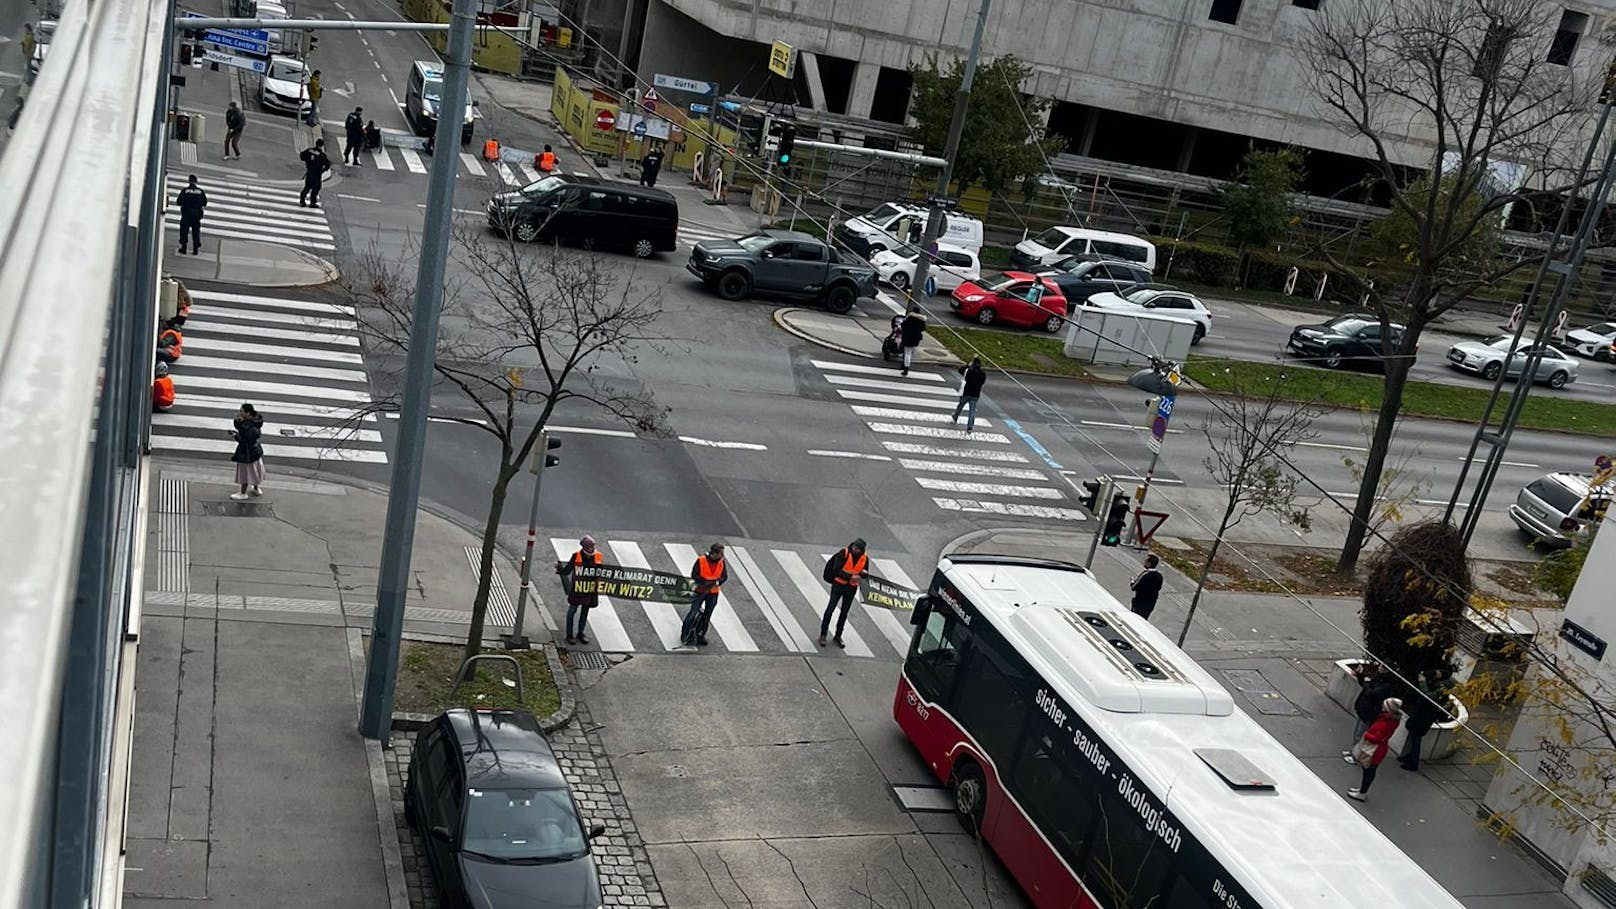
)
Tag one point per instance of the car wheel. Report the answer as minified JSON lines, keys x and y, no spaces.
{"x":840,"y":299}
{"x":1332,"y":358}
{"x":899,"y":280}
{"x":643,"y":248}
{"x":986,"y":315}
{"x":734,"y":285}
{"x":1200,"y":332}
{"x":970,"y":796}
{"x":1491,"y":371}
{"x":526,"y":231}
{"x":1053,"y":324}
{"x":1558,"y":380}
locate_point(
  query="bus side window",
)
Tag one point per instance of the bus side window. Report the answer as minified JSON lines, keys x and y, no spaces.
{"x":936,"y":656}
{"x":1126,"y":861}
{"x":1046,"y":785}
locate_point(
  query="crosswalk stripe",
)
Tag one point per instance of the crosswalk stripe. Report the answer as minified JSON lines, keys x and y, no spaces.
{"x":895,"y":629}
{"x":810,"y":587}
{"x":877,"y":397}
{"x":308,"y":337}
{"x":980,"y":454}
{"x":254,"y":301}
{"x":725,"y":622}
{"x":664,"y":617}
{"x":244,"y":194}
{"x":186,"y":400}
{"x":272,"y":225}
{"x":341,"y":434}
{"x":603,"y":621}
{"x":473,"y":166}
{"x":764,"y":594}
{"x":989,"y":489}
{"x":273,"y":389}
{"x":218,"y":314}
{"x":174,"y":225}
{"x":893,"y":413}
{"x":528,"y":173}
{"x":505,"y":173}
{"x":1014,"y":509}
{"x":887,"y":371}
{"x":226,"y":445}
{"x":292,"y":215}
{"x":889,"y":385}
{"x":382,"y":159}
{"x":412,"y":160}
{"x":938,"y":432}
{"x":892,"y":571}
{"x":975,"y":470}
{"x":233,"y":364}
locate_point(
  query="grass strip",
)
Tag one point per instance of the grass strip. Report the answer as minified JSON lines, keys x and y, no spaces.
{"x":426,"y":673}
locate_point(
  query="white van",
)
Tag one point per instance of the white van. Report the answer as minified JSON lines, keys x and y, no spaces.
{"x":1056,"y":243}
{"x":277,"y":40}
{"x":893,"y":224}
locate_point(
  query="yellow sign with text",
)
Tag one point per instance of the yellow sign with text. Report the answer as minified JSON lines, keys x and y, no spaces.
{"x":782,"y":59}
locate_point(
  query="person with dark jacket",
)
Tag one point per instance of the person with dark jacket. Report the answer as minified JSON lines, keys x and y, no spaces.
{"x":373,"y":137}
{"x":1371,"y":749}
{"x":1376,"y":685}
{"x":234,"y":122}
{"x":191,"y":201}
{"x":843,"y":572}
{"x":1429,"y":707}
{"x":709,"y":574}
{"x":914,"y":328}
{"x":353,"y":129}
{"x":249,"y":453}
{"x":970,"y":392}
{"x":1146,"y":587}
{"x":579,"y":604}
{"x":315,"y":164}
{"x":650,"y":166}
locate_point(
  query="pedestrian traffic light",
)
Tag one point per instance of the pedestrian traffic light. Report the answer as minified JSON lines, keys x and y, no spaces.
{"x":1091,"y":494}
{"x":1115,"y":520}
{"x":788,"y":138}
{"x":548,"y":460}
{"x":187,"y":51}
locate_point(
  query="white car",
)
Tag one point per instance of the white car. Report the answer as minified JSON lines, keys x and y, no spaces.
{"x":953,"y":266}
{"x":1486,"y":359}
{"x":1593,"y":341}
{"x":285,"y":87}
{"x":1160,"y":300}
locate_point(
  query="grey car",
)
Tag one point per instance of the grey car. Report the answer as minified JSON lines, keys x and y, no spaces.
{"x":1555,"y":507}
{"x":1490,"y":357}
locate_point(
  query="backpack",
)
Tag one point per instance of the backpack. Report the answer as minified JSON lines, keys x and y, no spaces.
{"x":833,"y":567}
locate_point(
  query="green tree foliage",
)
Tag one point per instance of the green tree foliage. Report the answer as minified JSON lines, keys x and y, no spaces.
{"x":1558,"y":571}
{"x":1416,"y":590}
{"x":1258,"y":202}
{"x":1002,"y":143}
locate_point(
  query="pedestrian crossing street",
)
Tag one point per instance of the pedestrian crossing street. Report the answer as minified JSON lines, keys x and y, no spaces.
{"x":983,"y":472}
{"x":296,"y":361}
{"x":772,"y":603}
{"x":244,"y":211}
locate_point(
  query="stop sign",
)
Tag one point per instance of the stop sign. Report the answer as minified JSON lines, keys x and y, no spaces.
{"x":604,"y":120}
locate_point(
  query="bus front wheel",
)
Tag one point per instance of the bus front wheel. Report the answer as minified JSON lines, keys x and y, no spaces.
{"x":970,"y":796}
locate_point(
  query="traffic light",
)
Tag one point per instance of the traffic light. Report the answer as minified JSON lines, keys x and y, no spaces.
{"x":187,"y":52}
{"x":1116,"y":520}
{"x":788,"y":139}
{"x":549,"y":460}
{"x":1091,"y":494}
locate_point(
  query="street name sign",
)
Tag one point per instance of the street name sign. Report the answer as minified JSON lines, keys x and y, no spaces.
{"x":224,"y":59}
{"x":681,"y":84}
{"x":227,"y":41}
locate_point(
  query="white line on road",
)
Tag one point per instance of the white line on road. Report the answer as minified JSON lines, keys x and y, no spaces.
{"x":412,"y":160}
{"x":505,"y":173}
{"x":887,"y":371}
{"x":893,"y":413}
{"x":592,"y":431}
{"x":988,"y":489}
{"x":236,"y":364}
{"x":472,"y":164}
{"x":764,"y":594}
{"x":938,"y":432}
{"x":980,"y":454}
{"x":975,"y":470}
{"x":382,"y":160}
{"x":1508,"y":464}
{"x":358,"y":198}
{"x":709,"y":443}
{"x":851,"y":455}
{"x":1154,"y":481}
{"x":1128,"y":426}
{"x":664,"y":617}
{"x":944,"y":403}
{"x":1331,"y":445}
{"x":1015,"y":509}
{"x":887,"y":385}
{"x":254,"y":300}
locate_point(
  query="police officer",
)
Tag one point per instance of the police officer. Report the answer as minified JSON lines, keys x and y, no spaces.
{"x":315,"y":164}
{"x":650,"y":166}
{"x":354,"y":128}
{"x":191,"y":201}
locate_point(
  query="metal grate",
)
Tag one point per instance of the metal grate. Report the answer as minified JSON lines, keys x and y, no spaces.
{"x":588,"y":659}
{"x":1598,"y":883}
{"x":231,"y":509}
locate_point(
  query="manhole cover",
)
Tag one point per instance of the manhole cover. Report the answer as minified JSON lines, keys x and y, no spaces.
{"x":227,"y":508}
{"x":1261,"y":694}
{"x":588,"y":659}
{"x":677,"y":771}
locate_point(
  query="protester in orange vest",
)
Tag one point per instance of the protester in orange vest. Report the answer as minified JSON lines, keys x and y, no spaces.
{"x":709,"y":573}
{"x":843,"y":571}
{"x":162,"y":390}
{"x":578,"y":604}
{"x":491,"y":150}
{"x":546,"y":160}
{"x":169,"y":343}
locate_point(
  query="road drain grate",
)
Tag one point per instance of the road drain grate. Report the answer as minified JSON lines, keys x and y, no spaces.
{"x":588,"y":659}
{"x":226,"y":508}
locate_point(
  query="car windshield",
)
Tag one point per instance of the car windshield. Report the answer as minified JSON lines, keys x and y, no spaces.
{"x":880,"y":213}
{"x":1140,"y":295}
{"x":543,"y":185}
{"x":1348,"y":325}
{"x":1603,"y":328}
{"x":1499,"y":341}
{"x":523,"y":825}
{"x":45,"y":31}
{"x":754,"y":242}
{"x":1004,"y":284}
{"x":432,"y":89}
{"x":285,"y":70}
{"x":1051,"y":239}
{"x":1555,"y":495}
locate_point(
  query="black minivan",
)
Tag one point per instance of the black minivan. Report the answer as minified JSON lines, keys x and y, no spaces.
{"x":588,"y":211}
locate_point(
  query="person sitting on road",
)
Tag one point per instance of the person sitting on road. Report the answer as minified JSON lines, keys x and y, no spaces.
{"x":170,"y":343}
{"x":162,"y":390}
{"x":373,"y":137}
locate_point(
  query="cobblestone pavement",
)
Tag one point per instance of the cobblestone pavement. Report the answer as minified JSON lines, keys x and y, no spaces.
{"x":626,"y":877}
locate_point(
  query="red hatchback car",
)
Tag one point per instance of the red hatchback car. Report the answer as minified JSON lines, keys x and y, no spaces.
{"x":1018,"y":298}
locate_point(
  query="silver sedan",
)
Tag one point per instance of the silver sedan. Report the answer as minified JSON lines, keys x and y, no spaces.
{"x":1490,"y":357}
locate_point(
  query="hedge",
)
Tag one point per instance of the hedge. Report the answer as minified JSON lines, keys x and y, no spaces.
{"x":1218,"y":266}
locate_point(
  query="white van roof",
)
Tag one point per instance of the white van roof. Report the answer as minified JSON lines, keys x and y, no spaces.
{"x":1090,"y":234}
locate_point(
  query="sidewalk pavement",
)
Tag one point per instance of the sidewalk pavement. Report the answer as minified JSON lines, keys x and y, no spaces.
{"x":250,"y":785}
{"x":858,"y":336}
{"x":252,"y":263}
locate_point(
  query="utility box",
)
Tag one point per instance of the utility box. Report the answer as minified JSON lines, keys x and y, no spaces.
{"x":198,"y":128}
{"x":1110,"y":337}
{"x":168,"y":299}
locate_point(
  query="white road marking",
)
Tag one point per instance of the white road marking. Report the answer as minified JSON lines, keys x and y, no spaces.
{"x":975,"y":470}
{"x":473,"y":166}
{"x":895,"y":630}
{"x":1506,"y":464}
{"x":877,"y":397}
{"x":505,"y":173}
{"x":814,"y":591}
{"x":724,"y":621}
{"x":603,"y":621}
{"x":226,"y":445}
{"x":382,"y":159}
{"x":980,"y":454}
{"x":709,"y":443}
{"x":1128,"y":426}
{"x":270,"y":390}
{"x":591,"y":431}
{"x":186,"y":401}
{"x":298,"y":430}
{"x":887,"y":385}
{"x":849,"y":455}
{"x":886,"y":371}
{"x":256,"y":300}
{"x":214,"y":231}
{"x":528,"y":173}
{"x":266,"y":367}
{"x":211,"y":314}
{"x":664,"y":617}
{"x":764,"y":594}
{"x":1015,"y":509}
{"x":1332,"y":446}
{"x":1154,"y":481}
{"x":309,"y":337}
{"x":360,"y":198}
{"x":938,"y":432}
{"x":412,"y":160}
{"x":268,"y":227}
{"x":989,"y":489}
{"x":892,"y":413}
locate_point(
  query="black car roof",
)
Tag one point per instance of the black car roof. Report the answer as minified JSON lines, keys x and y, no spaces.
{"x":504,"y":749}
{"x":628,"y":188}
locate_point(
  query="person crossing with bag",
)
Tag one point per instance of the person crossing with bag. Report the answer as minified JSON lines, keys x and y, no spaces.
{"x":579,"y":604}
{"x":843,"y":571}
{"x":709,"y":573}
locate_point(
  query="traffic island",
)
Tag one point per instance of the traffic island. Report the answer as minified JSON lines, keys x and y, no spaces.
{"x":856,"y":336}
{"x":250,"y":263}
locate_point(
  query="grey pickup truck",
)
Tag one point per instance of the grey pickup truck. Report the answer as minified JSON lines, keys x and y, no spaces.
{"x":781,"y":263}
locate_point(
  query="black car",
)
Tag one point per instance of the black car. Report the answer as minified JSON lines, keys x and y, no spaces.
{"x":499,"y":824}
{"x":1082,"y":276}
{"x":588,"y":211}
{"x":1352,"y":338}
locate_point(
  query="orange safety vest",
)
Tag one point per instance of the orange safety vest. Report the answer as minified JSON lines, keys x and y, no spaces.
{"x":162,"y":392}
{"x":578,"y":557}
{"x":179,"y":341}
{"x":852,"y":567}
{"x":710,"y":573}
{"x":491,"y":150}
{"x":547,"y":161}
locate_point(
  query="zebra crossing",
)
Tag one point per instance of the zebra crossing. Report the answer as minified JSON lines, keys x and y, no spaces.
{"x":246,"y":211}
{"x":296,"y":361}
{"x":981,"y":472}
{"x":772,"y":603}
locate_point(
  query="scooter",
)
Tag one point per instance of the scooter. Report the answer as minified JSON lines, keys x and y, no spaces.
{"x":892,"y":344}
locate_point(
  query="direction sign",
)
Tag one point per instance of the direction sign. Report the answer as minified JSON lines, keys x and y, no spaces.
{"x":681,"y":84}
{"x":604,"y":120}
{"x":226,"y":41}
{"x":700,"y":108}
{"x":224,"y":59}
{"x":639,"y":128}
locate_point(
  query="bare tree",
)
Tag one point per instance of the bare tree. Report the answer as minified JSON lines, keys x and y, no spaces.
{"x":1248,"y":463}
{"x":523,"y":333}
{"x":1400,"y":486}
{"x":1451,"y":102}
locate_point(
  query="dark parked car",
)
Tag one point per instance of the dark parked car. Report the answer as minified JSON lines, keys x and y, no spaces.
{"x":1081,"y":277}
{"x":588,"y":211}
{"x":501,"y":829}
{"x":1352,"y":338}
{"x":781,"y":263}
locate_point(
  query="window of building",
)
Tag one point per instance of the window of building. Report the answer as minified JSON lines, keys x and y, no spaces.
{"x":1572,"y":26}
{"x":1306,"y":4}
{"x":1225,"y":11}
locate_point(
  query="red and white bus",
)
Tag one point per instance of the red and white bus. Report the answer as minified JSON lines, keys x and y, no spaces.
{"x":1107,"y":769}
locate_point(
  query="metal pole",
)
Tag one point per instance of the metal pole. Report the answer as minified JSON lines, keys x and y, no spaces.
{"x":1102,"y":508}
{"x":398,"y":537}
{"x":541,"y":450}
{"x":934,"y":222}
{"x":1144,"y":490}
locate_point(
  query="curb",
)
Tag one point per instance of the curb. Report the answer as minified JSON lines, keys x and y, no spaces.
{"x":404,"y":721}
{"x":779,"y":316}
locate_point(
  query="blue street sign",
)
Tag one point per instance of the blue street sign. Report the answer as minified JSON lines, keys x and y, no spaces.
{"x":234,"y":42}
{"x":699,"y":108}
{"x":639,"y":127}
{"x":931,"y":286}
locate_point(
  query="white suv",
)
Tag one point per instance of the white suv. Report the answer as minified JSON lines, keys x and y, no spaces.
{"x":952,"y":266}
{"x":1159,"y":300}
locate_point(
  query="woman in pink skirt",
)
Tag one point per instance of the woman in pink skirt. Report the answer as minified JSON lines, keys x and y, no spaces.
{"x":249,"y":455}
